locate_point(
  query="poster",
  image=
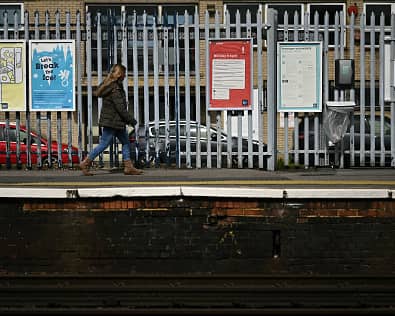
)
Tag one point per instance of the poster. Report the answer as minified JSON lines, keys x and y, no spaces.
{"x":12,"y":75}
{"x":52,"y":75}
{"x":299,"y":75}
{"x":230,"y":74}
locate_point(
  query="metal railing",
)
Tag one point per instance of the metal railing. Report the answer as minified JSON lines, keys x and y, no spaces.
{"x":167,"y":80}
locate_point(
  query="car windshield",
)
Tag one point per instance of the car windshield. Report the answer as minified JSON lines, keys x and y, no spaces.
{"x":12,"y":136}
{"x":182,"y":130}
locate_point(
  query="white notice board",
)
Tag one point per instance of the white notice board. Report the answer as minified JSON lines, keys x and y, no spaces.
{"x":299,"y":76}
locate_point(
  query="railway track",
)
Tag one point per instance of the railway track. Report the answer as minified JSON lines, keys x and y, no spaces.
{"x":197,"y":294}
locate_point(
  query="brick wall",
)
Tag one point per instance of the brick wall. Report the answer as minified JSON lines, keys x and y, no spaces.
{"x":197,"y":236}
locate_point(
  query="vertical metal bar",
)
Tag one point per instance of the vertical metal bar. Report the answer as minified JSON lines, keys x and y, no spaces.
{"x":124,"y":56}
{"x":316,"y":116}
{"x":239,"y":113}
{"x":16,"y":25}
{"x":7,"y":114}
{"x":218,"y":113}
{"x":156,"y":93}
{"x":249,"y":112}
{"x":325,"y":76}
{"x":286,"y":116}
{"x":187,"y":91}
{"x":48,"y":114}
{"x":392,"y":76}
{"x":58,"y":113}
{"x":296,"y":116}
{"x":342,"y":92}
{"x":228,"y":113}
{"x":336,"y":92}
{"x":99,"y":55}
{"x":28,"y":128}
{"x":381,"y":91}
{"x":260,"y":89}
{"x":208,"y":87}
{"x":197,"y":89}
{"x":167,"y":94}
{"x":115,"y":45}
{"x":69,"y":114}
{"x":17,"y":114}
{"x":5,"y":25}
{"x":38,"y":114}
{"x":305,"y":114}
{"x":271,"y":89}
{"x":114,"y":48}
{"x":372,"y":88}
{"x":362,"y":91}
{"x":79,"y":85}
{"x":136,"y":86}
{"x":124,"y":52}
{"x":89,"y":79}
{"x":177,"y":91}
{"x":146,"y":89}
{"x":352,"y":94}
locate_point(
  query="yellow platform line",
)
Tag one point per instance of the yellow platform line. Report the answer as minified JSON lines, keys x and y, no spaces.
{"x":203,"y":182}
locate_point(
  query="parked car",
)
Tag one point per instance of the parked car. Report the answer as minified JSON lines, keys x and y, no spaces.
{"x":168,"y":155}
{"x":357,"y":145}
{"x":34,"y":144}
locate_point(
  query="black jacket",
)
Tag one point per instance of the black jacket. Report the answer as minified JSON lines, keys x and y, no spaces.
{"x":114,"y":111}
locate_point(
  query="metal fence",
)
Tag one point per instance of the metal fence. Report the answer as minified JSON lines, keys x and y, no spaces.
{"x":167,"y":87}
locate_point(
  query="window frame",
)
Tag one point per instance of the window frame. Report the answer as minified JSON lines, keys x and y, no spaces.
{"x":161,"y":9}
{"x":331,"y":26}
{"x":367,"y":22}
{"x":127,"y":7}
{"x":22,"y":15}
{"x":284,"y":4}
{"x":260,"y":7}
{"x":302,"y":9}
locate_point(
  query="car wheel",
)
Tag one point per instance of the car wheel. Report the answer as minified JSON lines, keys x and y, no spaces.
{"x":53,"y":164}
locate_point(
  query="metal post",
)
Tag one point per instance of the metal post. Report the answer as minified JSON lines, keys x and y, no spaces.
{"x":271,"y":89}
{"x":197,"y":88}
{"x":187,"y":91}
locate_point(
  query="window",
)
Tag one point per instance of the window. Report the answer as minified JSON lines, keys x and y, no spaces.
{"x":111,"y":16}
{"x":12,"y":135}
{"x":242,"y":8}
{"x":11,"y":9}
{"x":281,"y":8}
{"x":169,"y":13}
{"x":331,"y":9}
{"x":374,"y":10}
{"x":150,"y":10}
{"x":291,"y":9}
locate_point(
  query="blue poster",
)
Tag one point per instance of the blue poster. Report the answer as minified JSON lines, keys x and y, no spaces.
{"x":52,"y":75}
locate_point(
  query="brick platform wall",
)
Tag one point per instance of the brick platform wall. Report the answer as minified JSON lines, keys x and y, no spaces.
{"x":197,"y":236}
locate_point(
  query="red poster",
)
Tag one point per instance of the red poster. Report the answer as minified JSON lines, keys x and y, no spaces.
{"x":230,"y":75}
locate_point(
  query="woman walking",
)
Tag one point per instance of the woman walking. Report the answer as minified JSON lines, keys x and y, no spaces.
{"x":113,"y":119}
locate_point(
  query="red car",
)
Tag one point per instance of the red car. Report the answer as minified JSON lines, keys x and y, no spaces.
{"x":34,"y":141}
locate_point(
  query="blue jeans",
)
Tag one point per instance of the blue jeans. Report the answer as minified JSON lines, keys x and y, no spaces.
{"x":106,"y":139}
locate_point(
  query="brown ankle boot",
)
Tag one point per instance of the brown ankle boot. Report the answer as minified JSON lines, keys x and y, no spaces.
{"x":130,"y":169}
{"x":85,"y":165}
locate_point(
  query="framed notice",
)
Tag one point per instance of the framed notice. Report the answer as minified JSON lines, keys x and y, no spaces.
{"x":299,"y":76}
{"x":12,"y":75}
{"x":52,"y":75}
{"x":230,"y":74}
